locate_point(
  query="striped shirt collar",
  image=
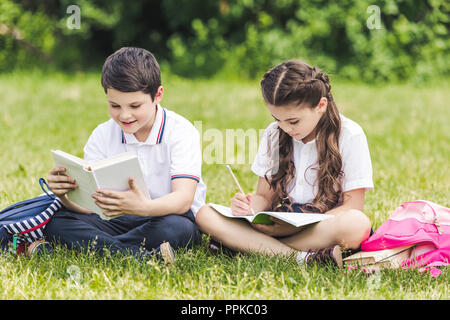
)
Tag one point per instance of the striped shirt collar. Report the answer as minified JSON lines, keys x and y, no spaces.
{"x":156,"y":133}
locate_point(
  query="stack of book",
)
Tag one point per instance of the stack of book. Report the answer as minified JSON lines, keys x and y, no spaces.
{"x":375,"y":260}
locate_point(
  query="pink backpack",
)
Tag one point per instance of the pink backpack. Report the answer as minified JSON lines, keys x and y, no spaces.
{"x":420,"y":222}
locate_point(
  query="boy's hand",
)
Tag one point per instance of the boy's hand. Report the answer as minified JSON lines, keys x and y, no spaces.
{"x":241,"y":205}
{"x":117,"y":203}
{"x":59,"y":182}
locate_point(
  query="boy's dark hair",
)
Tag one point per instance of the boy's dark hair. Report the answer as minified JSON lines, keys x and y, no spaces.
{"x":132,"y":69}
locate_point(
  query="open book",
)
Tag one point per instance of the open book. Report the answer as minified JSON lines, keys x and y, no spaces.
{"x":111,"y":173}
{"x":293,"y":218}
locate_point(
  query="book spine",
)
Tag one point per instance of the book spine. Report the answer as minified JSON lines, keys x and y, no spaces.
{"x":97,"y":186}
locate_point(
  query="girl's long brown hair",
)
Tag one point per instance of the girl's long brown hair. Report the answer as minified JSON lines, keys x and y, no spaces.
{"x":295,"y":82}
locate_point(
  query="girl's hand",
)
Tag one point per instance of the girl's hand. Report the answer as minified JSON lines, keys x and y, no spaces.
{"x":278,"y":229}
{"x":241,"y":205}
{"x":116,"y":203}
{"x":59,"y":182}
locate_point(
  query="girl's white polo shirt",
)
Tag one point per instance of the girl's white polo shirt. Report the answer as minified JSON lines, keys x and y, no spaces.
{"x":171,"y":151}
{"x":356,"y":162}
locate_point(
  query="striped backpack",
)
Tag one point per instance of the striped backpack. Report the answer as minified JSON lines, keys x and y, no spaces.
{"x":25,"y":221}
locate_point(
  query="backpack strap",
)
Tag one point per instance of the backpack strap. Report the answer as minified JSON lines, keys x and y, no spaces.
{"x":12,"y":209}
{"x":48,"y":192}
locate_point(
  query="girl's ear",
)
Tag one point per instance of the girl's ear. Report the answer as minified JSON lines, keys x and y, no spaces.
{"x":322,"y":106}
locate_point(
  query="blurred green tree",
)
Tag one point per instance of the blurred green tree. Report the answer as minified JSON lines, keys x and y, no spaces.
{"x":385,"y":40}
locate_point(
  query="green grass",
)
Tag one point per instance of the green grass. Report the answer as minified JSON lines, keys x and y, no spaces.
{"x":408,"y":135}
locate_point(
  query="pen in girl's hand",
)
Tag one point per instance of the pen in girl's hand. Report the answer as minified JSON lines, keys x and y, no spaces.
{"x":238,"y":185}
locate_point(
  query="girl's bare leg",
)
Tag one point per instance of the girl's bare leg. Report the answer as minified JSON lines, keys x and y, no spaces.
{"x":238,"y":235}
{"x":347,"y":229}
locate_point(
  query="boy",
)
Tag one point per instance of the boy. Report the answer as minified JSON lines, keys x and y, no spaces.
{"x":168,"y":148}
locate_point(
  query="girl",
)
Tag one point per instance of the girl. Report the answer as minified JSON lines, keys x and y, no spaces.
{"x":311,"y":159}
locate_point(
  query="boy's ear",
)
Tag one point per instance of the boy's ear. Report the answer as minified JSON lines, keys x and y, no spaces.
{"x":159,"y":94}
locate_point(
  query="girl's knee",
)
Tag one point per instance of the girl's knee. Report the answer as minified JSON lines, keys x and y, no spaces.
{"x":204,"y":216}
{"x":354,"y":228}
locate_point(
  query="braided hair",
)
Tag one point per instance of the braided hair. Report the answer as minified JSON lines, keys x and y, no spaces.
{"x":295,"y":82}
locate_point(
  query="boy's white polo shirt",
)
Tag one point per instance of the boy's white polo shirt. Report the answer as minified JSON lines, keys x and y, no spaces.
{"x":171,"y":151}
{"x":354,"y":150}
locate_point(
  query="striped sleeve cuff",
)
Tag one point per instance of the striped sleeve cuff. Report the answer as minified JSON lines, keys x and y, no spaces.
{"x":186,"y":176}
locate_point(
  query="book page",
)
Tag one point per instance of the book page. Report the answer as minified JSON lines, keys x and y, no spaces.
{"x":83,"y":194}
{"x":67,"y":158}
{"x":293,"y":218}
{"x":226,"y":211}
{"x":114,"y":176}
{"x":112,"y":160}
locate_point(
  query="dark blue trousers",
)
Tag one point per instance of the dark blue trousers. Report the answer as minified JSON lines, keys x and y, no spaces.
{"x":128,"y":234}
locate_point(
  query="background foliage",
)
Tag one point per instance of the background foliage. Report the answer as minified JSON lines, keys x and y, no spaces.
{"x":240,"y":38}
{"x":406,"y":125}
